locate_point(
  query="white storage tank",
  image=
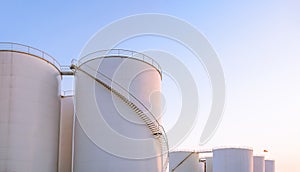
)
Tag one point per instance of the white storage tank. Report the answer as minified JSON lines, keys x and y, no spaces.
{"x":66,"y":133}
{"x":30,"y":110}
{"x":182,"y":161}
{"x":258,"y":164}
{"x":232,"y":160}
{"x":270,"y":166}
{"x":109,"y":133}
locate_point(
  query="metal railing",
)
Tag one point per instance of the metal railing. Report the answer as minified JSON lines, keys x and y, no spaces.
{"x":121,"y":53}
{"x":16,"y":47}
{"x":150,"y":120}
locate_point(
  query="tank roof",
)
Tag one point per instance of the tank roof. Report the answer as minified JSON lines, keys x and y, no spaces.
{"x":122,"y":54}
{"x":232,"y":147}
{"x":25,"y":49}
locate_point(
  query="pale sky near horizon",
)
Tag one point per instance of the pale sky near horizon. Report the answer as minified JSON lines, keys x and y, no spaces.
{"x":257,"y":43}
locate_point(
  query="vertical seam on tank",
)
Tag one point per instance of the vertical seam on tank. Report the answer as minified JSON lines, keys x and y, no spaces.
{"x":58,"y":144}
{"x":73,"y":132}
{"x":59,"y":129}
{"x":9,"y":107}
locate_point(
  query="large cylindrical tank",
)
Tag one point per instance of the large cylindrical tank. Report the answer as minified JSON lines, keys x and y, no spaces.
{"x":258,"y":164}
{"x":232,"y":160}
{"x":109,"y":134}
{"x":184,"y":161}
{"x":30,"y":112}
{"x":270,"y":166}
{"x":66,"y":133}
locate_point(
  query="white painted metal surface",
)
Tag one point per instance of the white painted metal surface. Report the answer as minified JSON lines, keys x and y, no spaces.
{"x":232,"y":160}
{"x":209,"y":164}
{"x":201,"y":167}
{"x":270,"y":166}
{"x":258,"y":164}
{"x":66,"y":133}
{"x":29,"y":113}
{"x":140,"y":79}
{"x":184,"y":161}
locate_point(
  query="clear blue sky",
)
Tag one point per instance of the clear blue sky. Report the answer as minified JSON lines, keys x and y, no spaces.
{"x":257,"y":43}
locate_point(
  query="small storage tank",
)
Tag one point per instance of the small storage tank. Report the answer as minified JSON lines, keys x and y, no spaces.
{"x":110,"y":134}
{"x":270,"y":166}
{"x":30,"y":109}
{"x":66,"y":133}
{"x":232,"y":160}
{"x":258,"y":164}
{"x":184,"y":161}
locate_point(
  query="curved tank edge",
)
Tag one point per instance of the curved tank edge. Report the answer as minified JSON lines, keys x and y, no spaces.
{"x":36,"y":56}
{"x":159,"y":72}
{"x":233,"y":148}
